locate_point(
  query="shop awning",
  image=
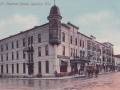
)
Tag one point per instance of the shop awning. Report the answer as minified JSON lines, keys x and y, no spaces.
{"x":79,"y":61}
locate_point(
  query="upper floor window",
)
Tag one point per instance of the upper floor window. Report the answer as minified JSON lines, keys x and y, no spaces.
{"x":83,"y":44}
{"x":7,"y":46}
{"x":1,"y":48}
{"x":46,"y":50}
{"x":1,"y":68}
{"x":1,"y":57}
{"x":39,"y":51}
{"x":71,"y":52}
{"x":80,"y":43}
{"x":70,"y":39}
{"x":63,"y":36}
{"x":55,"y":33}
{"x":28,"y":40}
{"x":75,"y":41}
{"x":23,"y":54}
{"x":63,"y":50}
{"x":39,"y":38}
{"x":59,"y":34}
{"x":12,"y":45}
{"x":76,"y":52}
{"x":23,"y":41}
{"x":17,"y":44}
{"x":12,"y":55}
{"x":51,"y":34}
{"x":80,"y":53}
{"x":31,"y":39}
{"x":17,"y":55}
{"x":7,"y":56}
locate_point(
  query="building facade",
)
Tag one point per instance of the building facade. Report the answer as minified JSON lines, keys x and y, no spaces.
{"x":54,"y":46}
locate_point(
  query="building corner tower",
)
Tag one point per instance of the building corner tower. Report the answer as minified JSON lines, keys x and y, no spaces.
{"x":55,"y":33}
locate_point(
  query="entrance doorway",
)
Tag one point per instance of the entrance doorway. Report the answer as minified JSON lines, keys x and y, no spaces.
{"x":63,"y":67}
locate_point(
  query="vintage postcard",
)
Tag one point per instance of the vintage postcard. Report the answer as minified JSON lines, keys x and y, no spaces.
{"x":59,"y":44}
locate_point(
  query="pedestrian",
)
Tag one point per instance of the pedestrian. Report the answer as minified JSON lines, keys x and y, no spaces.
{"x":73,"y":71}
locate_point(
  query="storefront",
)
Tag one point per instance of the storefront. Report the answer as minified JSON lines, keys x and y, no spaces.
{"x":77,"y":64}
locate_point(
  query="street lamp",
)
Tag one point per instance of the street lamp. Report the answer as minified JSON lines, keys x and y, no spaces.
{"x":29,"y":62}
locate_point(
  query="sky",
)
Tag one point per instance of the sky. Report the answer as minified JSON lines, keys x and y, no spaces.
{"x":100,"y":18}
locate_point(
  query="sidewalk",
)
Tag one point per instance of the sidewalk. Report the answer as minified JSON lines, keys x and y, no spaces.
{"x":58,"y":78}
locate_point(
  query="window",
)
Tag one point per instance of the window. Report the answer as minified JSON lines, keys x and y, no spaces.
{"x":100,"y":51}
{"x":12,"y":68}
{"x":28,"y":40}
{"x":23,"y":41}
{"x":75,"y":41}
{"x":1,"y":68}
{"x":70,"y":39}
{"x":83,"y":44}
{"x":1,"y":57}
{"x":47,"y":67}
{"x":63,"y":50}
{"x":7,"y":46}
{"x":39,"y":38}
{"x":80,"y":53}
{"x":31,"y":39}
{"x":23,"y":54}
{"x":39,"y":66}
{"x":63,"y":37}
{"x":39,"y":51}
{"x":7,"y":56}
{"x":17,"y":68}
{"x":17,"y":55}
{"x":24,"y":70}
{"x":80,"y":43}
{"x":51,"y":35}
{"x":31,"y":57}
{"x":17,"y":45}
{"x":76,"y":52}
{"x":55,"y":34}
{"x":12,"y":45}
{"x":71,"y":51}
{"x":7,"y":68}
{"x":83,"y":53}
{"x":12,"y":55}
{"x":1,"y":48}
{"x":59,"y":34}
{"x":46,"y":50}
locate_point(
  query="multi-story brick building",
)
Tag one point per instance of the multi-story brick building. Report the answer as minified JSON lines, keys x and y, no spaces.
{"x":51,"y":47}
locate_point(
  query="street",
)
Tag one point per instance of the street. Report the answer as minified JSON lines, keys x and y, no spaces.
{"x":102,"y":82}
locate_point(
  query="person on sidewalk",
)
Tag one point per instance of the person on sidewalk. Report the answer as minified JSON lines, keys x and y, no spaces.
{"x":96,"y":70}
{"x":73,"y":71}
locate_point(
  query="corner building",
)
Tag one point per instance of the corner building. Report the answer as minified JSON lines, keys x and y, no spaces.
{"x":51,"y":47}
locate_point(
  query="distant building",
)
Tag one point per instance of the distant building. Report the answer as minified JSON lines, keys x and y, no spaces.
{"x":117,"y":61}
{"x":51,"y":47}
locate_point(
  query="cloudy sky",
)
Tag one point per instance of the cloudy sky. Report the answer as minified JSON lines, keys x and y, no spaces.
{"x":100,"y":18}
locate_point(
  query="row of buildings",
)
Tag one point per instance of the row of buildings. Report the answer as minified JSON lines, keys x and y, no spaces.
{"x":54,"y":46}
